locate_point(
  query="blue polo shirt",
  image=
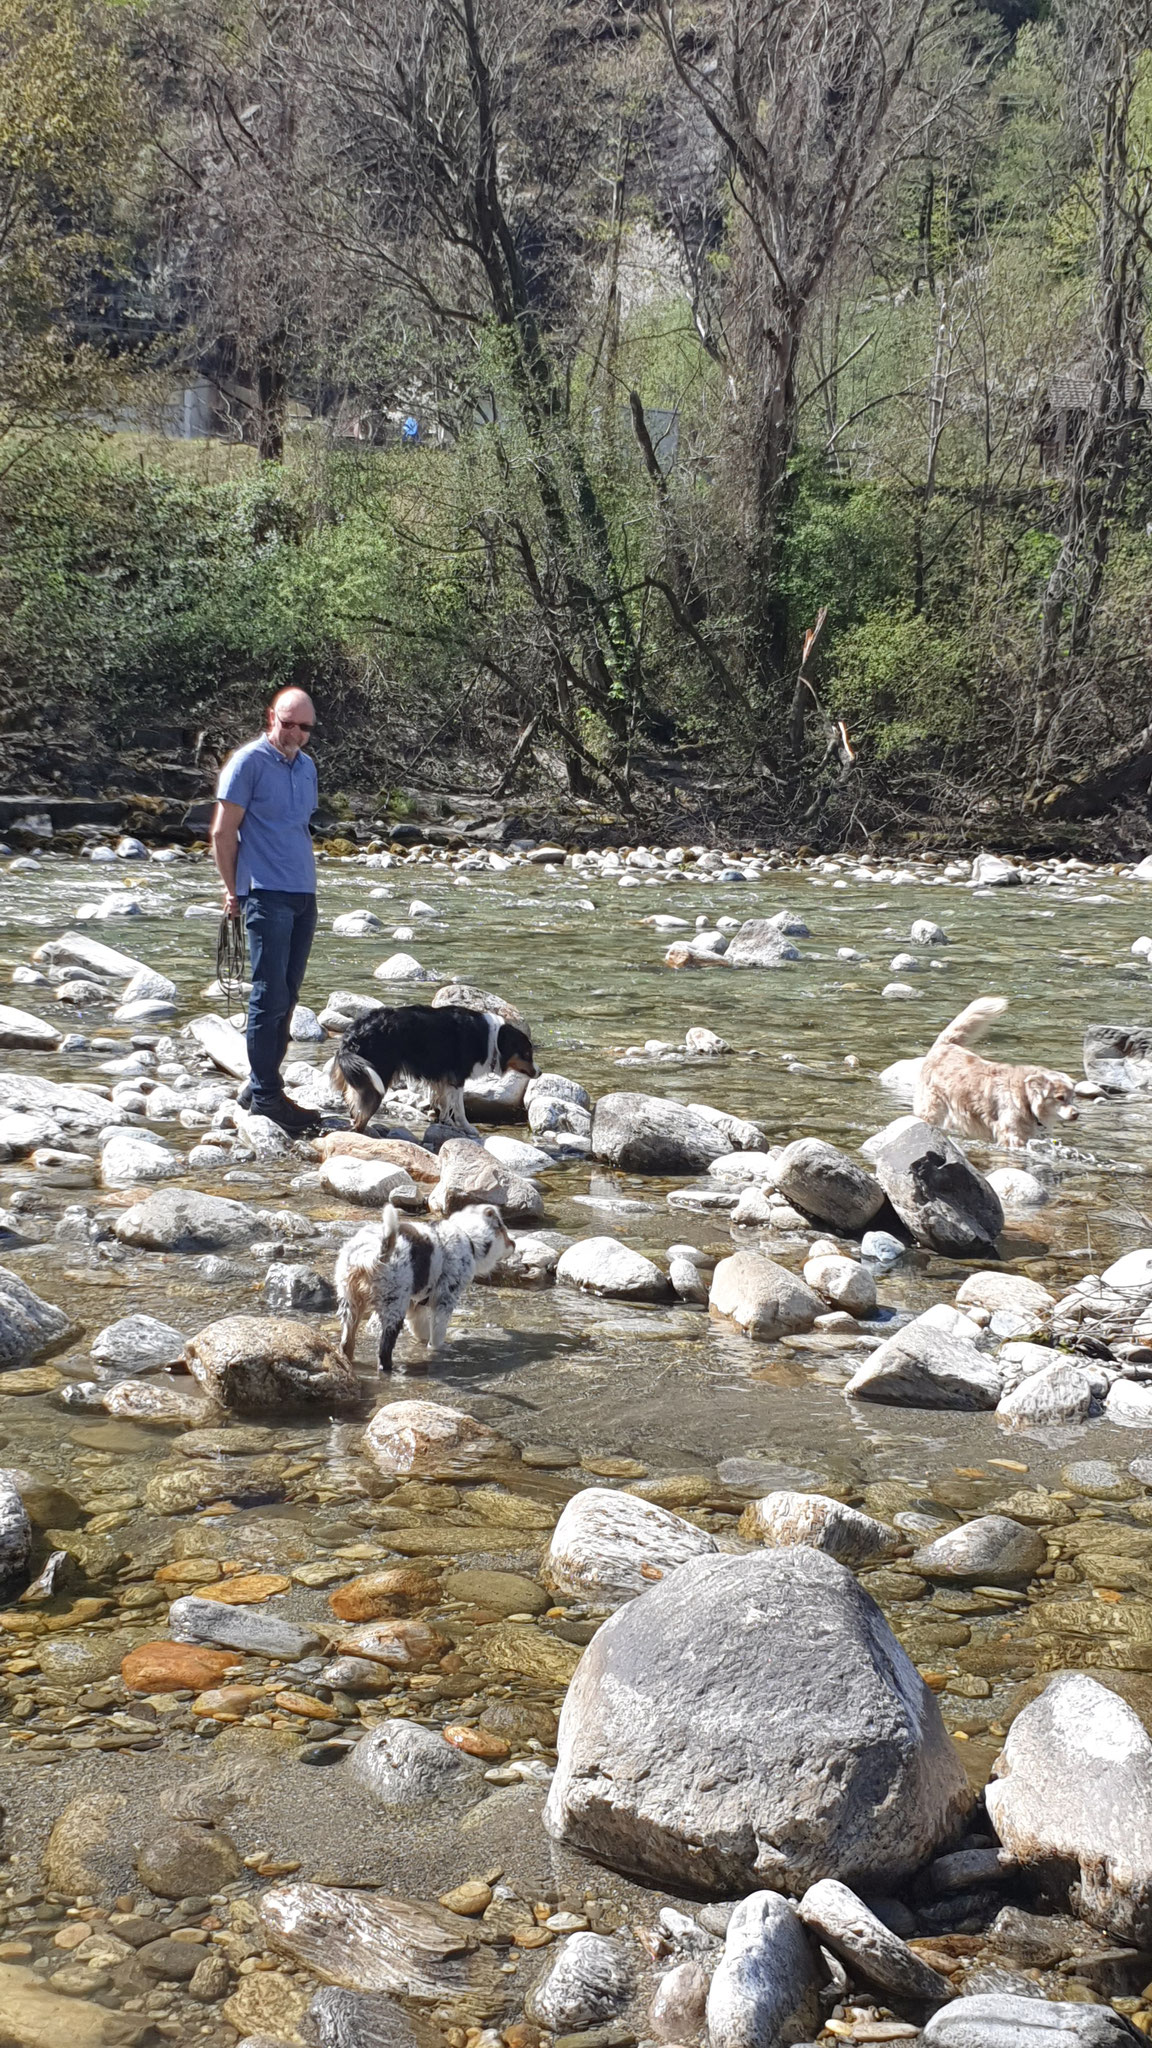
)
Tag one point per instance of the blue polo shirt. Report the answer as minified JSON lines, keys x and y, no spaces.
{"x":278,"y":797}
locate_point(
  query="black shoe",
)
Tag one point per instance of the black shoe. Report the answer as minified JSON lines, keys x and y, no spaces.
{"x":289,"y":1116}
{"x":244,"y":1099}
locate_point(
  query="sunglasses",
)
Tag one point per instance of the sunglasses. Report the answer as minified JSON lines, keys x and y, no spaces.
{"x":301,"y":724}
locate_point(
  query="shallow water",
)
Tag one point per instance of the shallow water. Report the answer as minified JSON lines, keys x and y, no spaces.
{"x":667,"y":1387}
{"x":673,"y":1388}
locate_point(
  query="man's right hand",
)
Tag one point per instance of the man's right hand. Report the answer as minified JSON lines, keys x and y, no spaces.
{"x":232,"y":904}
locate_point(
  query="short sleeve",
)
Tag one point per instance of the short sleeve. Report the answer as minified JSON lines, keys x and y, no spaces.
{"x":235,"y":784}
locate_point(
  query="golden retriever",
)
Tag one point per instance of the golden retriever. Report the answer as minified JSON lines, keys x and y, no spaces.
{"x":987,"y":1099}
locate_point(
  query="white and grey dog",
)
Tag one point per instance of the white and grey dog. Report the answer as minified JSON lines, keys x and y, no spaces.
{"x":401,"y":1270}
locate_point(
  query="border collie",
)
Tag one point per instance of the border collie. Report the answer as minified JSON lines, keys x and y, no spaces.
{"x":398,"y":1269}
{"x":959,"y":1090}
{"x":444,"y":1047}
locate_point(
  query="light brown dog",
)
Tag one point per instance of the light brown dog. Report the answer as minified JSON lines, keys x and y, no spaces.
{"x":986,"y":1099}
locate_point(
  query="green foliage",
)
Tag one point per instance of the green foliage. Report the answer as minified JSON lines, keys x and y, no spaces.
{"x":900,"y":683}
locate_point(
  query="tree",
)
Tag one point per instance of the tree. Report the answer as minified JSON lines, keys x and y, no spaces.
{"x":814,"y":103}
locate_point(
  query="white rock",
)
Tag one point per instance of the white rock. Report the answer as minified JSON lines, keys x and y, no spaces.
{"x":765,"y":1989}
{"x":900,"y":1079}
{"x":700,"y":1040}
{"x":588,"y":1983}
{"x":368,"y":1182}
{"x":520,"y":1157}
{"x":1017,"y":1188}
{"x":128,"y":1157}
{"x":754,"y":1207}
{"x":990,"y":872}
{"x":357,"y":924}
{"x":610,"y":1546}
{"x":128,"y":848}
{"x":20,"y":1030}
{"x":744,"y":1168}
{"x":1133,"y":1269}
{"x":223,"y":1044}
{"x":305,"y":1027}
{"x":147,"y":1011}
{"x":925,"y":1367}
{"x":602,"y":1265}
{"x":844,"y":1283}
{"x":925,"y":933}
{"x":423,"y":1439}
{"x":881,"y":1247}
{"x":843,"y":1923}
{"x":1072,"y":1791}
{"x":148,"y":986}
{"x":138,"y":1343}
{"x":402,"y":967}
{"x":1057,"y":1393}
{"x":763,"y":1299}
{"x":784,"y":1518}
{"x":1129,"y":1402}
{"x":22,"y":1131}
{"x":263,"y":1138}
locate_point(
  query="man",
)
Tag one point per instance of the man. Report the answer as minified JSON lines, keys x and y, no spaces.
{"x":263,"y":848}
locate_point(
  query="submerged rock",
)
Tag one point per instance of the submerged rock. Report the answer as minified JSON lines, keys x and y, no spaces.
{"x":426,"y":1439}
{"x":611,"y":1546}
{"x":252,"y":1362}
{"x":753,"y":1721}
{"x":369,"y":1942}
{"x":399,"y":1764}
{"x":1071,"y":1799}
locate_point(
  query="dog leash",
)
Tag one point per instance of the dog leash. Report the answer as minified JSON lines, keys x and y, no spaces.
{"x":230,"y":963}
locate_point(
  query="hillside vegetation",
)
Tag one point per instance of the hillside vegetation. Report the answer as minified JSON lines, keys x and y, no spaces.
{"x":779,"y":369}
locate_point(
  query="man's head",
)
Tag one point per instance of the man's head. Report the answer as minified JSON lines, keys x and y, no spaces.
{"x":291,"y":717}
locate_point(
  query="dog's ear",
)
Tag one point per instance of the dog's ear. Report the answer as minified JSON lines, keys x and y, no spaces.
{"x":1044,"y":1093}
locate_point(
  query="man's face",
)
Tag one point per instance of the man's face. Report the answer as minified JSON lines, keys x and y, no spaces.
{"x":291,"y":723}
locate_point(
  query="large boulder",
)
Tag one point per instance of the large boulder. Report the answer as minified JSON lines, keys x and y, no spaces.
{"x":427,"y":1440}
{"x":608,"y":1547}
{"x":28,"y":1325}
{"x":649,"y":1134}
{"x":760,"y":943}
{"x":821,"y":1182}
{"x":941,"y":1199}
{"x":602,"y":1265}
{"x":253,"y":1362}
{"x":175,"y":1221}
{"x":1071,"y":1800}
{"x":752,"y":1721}
{"x":761,"y":1298}
{"x":1057,"y":1394}
{"x":923,"y":1366}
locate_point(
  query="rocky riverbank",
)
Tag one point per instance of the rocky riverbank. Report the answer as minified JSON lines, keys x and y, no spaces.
{"x":349,"y":1712}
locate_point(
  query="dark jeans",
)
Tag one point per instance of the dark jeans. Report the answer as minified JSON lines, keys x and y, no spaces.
{"x":280,"y":926}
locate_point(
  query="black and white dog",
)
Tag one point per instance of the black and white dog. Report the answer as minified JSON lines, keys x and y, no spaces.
{"x":399,"y":1269}
{"x":444,"y":1047}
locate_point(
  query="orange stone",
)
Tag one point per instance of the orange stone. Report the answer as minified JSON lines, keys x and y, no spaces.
{"x":248,"y":1589}
{"x":303,"y":1703}
{"x":476,"y":1742}
{"x":188,"y":1571}
{"x":230,"y":1702}
{"x":378,"y":1595}
{"x":175,"y":1667}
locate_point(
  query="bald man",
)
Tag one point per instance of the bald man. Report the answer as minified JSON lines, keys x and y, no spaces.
{"x":263,"y":848}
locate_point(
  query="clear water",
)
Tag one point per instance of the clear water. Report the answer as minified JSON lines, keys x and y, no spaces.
{"x":668,"y":1386}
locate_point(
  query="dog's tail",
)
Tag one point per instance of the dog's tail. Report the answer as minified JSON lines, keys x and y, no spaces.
{"x":360,"y":1084}
{"x":390,"y":1227}
{"x":972,"y":1023}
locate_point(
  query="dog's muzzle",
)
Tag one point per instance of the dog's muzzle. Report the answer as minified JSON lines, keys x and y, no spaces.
{"x":1067,"y":1114}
